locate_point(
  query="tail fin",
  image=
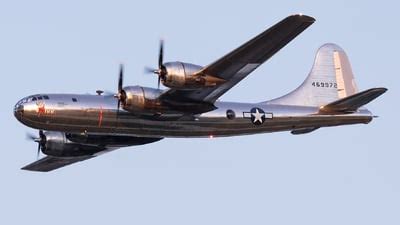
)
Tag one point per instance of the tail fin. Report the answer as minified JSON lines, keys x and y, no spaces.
{"x":330,"y":79}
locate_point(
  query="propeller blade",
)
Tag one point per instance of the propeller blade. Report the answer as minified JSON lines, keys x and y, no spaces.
{"x":161,"y":54}
{"x":161,"y":71}
{"x":121,"y":77}
{"x":41,"y":134}
{"x":149,"y":70}
{"x":41,"y":140}
{"x":38,"y":152}
{"x":31,"y":137}
{"x":120,"y":86}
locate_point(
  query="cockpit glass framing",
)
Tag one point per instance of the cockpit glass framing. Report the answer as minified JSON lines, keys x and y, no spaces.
{"x":34,"y":98}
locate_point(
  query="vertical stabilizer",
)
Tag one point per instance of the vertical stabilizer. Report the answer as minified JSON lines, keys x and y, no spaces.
{"x":330,"y":79}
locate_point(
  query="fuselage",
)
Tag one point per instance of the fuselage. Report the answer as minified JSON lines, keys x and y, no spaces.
{"x":98,"y":114}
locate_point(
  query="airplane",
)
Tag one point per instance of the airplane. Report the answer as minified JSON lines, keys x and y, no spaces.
{"x":77,"y":127}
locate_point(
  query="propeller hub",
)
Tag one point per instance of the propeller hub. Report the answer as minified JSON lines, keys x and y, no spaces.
{"x":121,"y":95}
{"x":41,"y":140}
{"x":161,"y":71}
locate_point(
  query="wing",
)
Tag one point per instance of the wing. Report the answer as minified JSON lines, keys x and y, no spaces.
{"x":82,"y":147}
{"x":50,"y":163}
{"x":239,"y":63}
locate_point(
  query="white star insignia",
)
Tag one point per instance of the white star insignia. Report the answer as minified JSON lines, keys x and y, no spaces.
{"x":257,"y":116}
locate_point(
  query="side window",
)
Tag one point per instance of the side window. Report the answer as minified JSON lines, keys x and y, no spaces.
{"x":74,"y":100}
{"x":46,"y":97}
{"x":39,"y":98}
{"x":230,"y":114}
{"x":34,"y":99}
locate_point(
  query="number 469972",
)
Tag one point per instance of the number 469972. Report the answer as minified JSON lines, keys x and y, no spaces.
{"x":324,"y":84}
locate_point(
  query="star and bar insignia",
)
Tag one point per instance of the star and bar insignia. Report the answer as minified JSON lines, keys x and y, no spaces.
{"x":257,"y":116}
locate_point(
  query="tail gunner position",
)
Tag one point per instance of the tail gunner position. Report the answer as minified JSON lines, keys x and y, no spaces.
{"x":75,"y":127}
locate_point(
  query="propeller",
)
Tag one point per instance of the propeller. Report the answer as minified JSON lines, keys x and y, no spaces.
{"x":121,"y":95}
{"x":41,"y":140}
{"x":161,"y":71}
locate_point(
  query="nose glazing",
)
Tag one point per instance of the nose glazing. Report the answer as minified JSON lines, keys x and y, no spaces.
{"x":19,"y":110}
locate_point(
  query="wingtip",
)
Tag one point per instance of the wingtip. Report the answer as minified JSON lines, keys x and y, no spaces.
{"x":27,"y":168}
{"x":304,"y":17}
{"x":384,"y":89}
{"x":381,"y":90}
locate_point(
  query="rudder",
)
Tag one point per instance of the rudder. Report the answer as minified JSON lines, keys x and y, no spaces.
{"x":330,"y":79}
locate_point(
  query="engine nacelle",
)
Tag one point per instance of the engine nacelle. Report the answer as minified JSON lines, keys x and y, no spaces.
{"x":58,"y":145}
{"x":181,"y":75}
{"x":141,"y":99}
{"x":144,"y":101}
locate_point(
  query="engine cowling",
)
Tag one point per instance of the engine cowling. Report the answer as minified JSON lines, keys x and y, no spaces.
{"x":179,"y":75}
{"x":58,"y":145}
{"x":141,"y":99}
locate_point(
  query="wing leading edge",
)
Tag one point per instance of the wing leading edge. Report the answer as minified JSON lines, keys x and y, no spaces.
{"x":239,"y":63}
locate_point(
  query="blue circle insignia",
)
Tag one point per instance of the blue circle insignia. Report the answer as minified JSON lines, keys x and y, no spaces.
{"x":257,"y":116}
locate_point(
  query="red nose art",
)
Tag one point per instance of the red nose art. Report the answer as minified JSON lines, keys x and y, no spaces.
{"x":41,"y":108}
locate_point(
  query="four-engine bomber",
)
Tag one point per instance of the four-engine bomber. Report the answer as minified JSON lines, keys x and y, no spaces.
{"x":75,"y":127}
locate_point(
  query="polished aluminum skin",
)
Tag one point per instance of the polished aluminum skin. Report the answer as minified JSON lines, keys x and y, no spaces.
{"x":77,"y":127}
{"x":94,"y":114}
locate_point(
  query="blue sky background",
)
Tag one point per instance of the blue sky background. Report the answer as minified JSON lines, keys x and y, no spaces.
{"x":345,"y":175}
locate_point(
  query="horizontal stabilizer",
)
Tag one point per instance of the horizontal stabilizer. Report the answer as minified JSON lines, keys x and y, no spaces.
{"x":352,"y":103}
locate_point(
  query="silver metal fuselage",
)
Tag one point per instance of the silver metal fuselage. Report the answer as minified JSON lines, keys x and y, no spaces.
{"x":74,"y":127}
{"x":98,"y":114}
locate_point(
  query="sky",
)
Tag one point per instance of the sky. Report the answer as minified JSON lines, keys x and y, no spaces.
{"x":340,"y":175}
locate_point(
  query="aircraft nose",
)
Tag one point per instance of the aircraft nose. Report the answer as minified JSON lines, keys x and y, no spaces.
{"x":19,"y":110}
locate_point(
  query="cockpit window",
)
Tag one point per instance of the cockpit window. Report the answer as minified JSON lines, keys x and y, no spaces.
{"x":33,"y":98}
